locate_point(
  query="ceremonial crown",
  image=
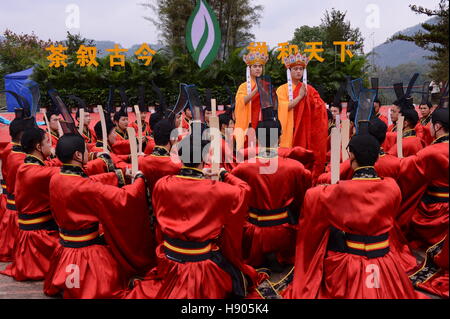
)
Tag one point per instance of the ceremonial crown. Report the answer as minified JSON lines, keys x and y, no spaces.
{"x":295,"y":60}
{"x":256,"y":58}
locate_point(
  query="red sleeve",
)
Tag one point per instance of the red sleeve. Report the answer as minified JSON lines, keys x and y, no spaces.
{"x":126,"y":223}
{"x":311,"y":247}
{"x":231,"y":240}
{"x":121,"y":147}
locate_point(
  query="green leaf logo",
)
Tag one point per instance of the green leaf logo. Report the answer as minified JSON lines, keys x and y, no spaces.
{"x":203,"y":34}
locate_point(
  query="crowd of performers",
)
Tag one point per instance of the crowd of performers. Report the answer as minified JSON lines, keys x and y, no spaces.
{"x":74,"y":215}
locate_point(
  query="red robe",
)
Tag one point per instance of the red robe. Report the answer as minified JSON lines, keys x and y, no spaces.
{"x":38,"y":236}
{"x":157,"y":165}
{"x":3,"y":156}
{"x":277,"y":235}
{"x":411,"y":144}
{"x":386,"y":166}
{"x":120,"y":161}
{"x":423,"y":130}
{"x":424,"y":181}
{"x":9,"y":226}
{"x":149,"y":146}
{"x":212,"y":227}
{"x":322,"y":271}
{"x":122,"y":145}
{"x":100,"y":264}
{"x":146,"y":131}
{"x":432,"y":275}
{"x":391,"y":137}
{"x":89,"y":138}
{"x":306,"y":125}
{"x":55,"y":138}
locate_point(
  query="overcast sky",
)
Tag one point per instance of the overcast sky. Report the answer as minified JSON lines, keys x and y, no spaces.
{"x":122,"y":20}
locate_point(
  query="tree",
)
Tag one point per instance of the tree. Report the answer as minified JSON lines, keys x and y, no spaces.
{"x":327,"y":75}
{"x":335,"y":28}
{"x":435,"y":39}
{"x":74,"y":41}
{"x":236,"y":18}
{"x":21,"y":51}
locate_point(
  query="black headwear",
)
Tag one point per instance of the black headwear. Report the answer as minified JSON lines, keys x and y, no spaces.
{"x":67,"y":145}
{"x":110,"y":103}
{"x":411,"y":116}
{"x":143,"y":107}
{"x":375,"y":85}
{"x":425,"y":94}
{"x":193,"y":99}
{"x":404,"y":99}
{"x":366,"y":149}
{"x":30,"y":138}
{"x":440,"y":116}
{"x":24,"y":111}
{"x":338,"y":96}
{"x":123,"y":112}
{"x":364,"y":111}
{"x":81,"y":104}
{"x":377,"y":128}
{"x":444,"y":97}
{"x":231,"y":97}
{"x":68,"y":124}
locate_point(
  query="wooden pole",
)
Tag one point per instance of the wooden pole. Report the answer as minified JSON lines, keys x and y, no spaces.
{"x":400,"y":123}
{"x":139,"y":124}
{"x":104,"y":133}
{"x":81,"y":126}
{"x":215,"y":139}
{"x":345,"y":132}
{"x":133,"y":148}
{"x":335,"y":158}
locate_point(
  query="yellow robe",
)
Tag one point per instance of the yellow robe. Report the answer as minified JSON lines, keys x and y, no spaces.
{"x":243,"y":113}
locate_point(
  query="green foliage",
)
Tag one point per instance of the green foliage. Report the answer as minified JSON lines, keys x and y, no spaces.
{"x":326,"y":76}
{"x":236,"y":18}
{"x":21,"y":51}
{"x":434,"y":39}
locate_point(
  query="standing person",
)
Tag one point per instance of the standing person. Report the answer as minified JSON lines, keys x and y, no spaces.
{"x":201,"y":255}
{"x":272,"y":219}
{"x":248,"y":106}
{"x":38,"y":236}
{"x":87,"y":264}
{"x":302,"y":114}
{"x":343,"y":247}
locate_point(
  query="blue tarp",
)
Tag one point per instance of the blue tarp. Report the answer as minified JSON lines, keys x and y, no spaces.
{"x":16,"y":82}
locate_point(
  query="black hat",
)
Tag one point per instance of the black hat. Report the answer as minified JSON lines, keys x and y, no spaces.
{"x":440,"y":116}
{"x":67,"y":145}
{"x":404,"y":99}
{"x":143,"y":107}
{"x":377,"y":128}
{"x":268,"y":98}
{"x":411,"y":116}
{"x":366,"y":149}
{"x":68,"y":123}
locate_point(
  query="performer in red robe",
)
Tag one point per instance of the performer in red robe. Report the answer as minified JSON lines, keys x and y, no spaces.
{"x":343,"y":246}
{"x":88,"y":265}
{"x":303,"y":115}
{"x":376,"y":106}
{"x":160,"y":163}
{"x":425,"y":179}
{"x":9,"y":223}
{"x":271,"y":225}
{"x":88,"y":132}
{"x":121,"y":145}
{"x":120,"y":161}
{"x":146,"y":130}
{"x":432,"y":275}
{"x":53,"y":118}
{"x":16,"y":128}
{"x":37,"y":237}
{"x":411,"y":142}
{"x":202,"y":222}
